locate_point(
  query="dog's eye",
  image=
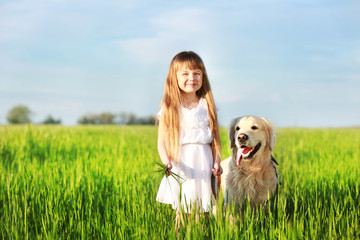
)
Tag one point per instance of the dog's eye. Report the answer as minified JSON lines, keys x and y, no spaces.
{"x":237,"y":128}
{"x":254,"y":127}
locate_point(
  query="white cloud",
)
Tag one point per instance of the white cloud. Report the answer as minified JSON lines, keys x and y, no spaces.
{"x":357,"y":55}
{"x":275,"y":97}
{"x":186,"y":23}
{"x":231,"y":99}
{"x":173,"y":31}
{"x":63,"y":23}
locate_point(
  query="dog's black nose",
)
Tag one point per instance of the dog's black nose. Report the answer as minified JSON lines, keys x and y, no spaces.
{"x":242,"y":137}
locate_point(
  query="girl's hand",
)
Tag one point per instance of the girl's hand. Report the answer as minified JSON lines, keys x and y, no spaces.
{"x":217,"y":169}
{"x":168,"y":168}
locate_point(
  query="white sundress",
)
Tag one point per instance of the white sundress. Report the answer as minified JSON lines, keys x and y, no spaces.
{"x":194,"y":166}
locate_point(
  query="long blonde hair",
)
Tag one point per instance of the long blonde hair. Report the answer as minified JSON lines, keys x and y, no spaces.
{"x":172,"y":98}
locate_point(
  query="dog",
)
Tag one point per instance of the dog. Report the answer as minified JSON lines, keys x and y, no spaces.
{"x":251,"y":171}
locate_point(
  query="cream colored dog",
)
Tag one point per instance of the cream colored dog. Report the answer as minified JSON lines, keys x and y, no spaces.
{"x":251,"y":171}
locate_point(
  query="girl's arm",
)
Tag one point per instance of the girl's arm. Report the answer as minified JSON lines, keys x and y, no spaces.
{"x":162,"y":145}
{"x":217,"y":170}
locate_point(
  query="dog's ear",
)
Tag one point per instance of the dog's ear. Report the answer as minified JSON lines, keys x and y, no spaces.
{"x":232,"y":132}
{"x":271,"y":133}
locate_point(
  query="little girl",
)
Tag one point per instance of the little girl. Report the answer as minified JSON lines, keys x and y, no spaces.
{"x":188,"y":136}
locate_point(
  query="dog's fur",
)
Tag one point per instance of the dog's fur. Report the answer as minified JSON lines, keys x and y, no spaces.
{"x":255,"y":177}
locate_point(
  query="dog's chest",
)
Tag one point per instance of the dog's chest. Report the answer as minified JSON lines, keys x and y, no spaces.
{"x":250,"y":184}
{"x":244,"y":181}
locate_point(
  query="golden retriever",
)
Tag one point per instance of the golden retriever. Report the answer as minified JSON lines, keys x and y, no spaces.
{"x":251,"y":171}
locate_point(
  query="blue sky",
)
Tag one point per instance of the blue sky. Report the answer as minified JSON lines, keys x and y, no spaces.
{"x":296,"y":62}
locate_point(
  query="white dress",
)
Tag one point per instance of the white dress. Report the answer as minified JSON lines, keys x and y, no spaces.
{"x":194,"y":166}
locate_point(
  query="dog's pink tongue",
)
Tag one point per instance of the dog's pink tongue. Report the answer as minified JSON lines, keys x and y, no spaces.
{"x":240,"y":153}
{"x":246,"y":150}
{"x":238,"y":157}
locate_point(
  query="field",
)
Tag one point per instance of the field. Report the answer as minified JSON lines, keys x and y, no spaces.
{"x":99,"y":182}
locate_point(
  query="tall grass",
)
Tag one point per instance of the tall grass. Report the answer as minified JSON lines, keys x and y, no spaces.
{"x":99,"y":182}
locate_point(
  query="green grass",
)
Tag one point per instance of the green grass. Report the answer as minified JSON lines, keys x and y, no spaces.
{"x":99,"y":182}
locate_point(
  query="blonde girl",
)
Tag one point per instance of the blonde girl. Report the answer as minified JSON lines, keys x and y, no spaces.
{"x":188,"y":136}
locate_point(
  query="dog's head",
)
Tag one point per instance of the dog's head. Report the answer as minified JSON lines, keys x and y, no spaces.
{"x":251,"y":135}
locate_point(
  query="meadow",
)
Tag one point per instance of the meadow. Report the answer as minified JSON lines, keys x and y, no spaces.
{"x":100,"y":182}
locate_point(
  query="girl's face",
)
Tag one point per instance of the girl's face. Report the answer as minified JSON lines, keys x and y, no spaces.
{"x":189,"y":81}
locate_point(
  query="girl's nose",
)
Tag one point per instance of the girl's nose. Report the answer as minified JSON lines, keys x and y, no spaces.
{"x":191,"y":76}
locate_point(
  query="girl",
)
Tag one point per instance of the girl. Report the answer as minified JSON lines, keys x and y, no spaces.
{"x":188,"y":136}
